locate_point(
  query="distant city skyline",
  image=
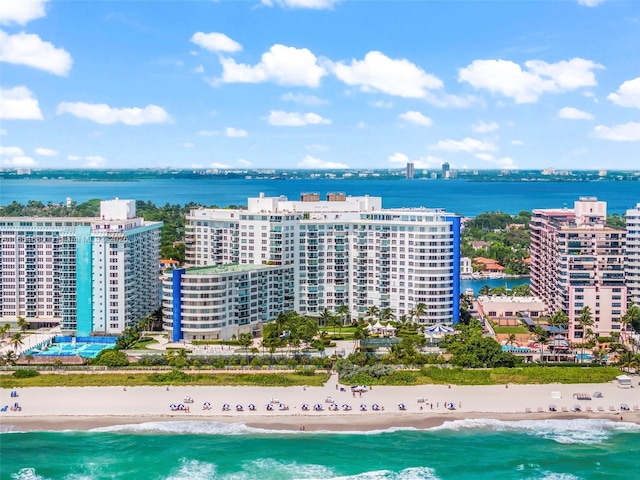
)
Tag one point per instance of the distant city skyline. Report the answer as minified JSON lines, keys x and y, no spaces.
{"x":295,"y":84}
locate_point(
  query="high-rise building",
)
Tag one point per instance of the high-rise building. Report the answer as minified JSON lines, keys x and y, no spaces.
{"x":632,"y":268}
{"x":576,"y":262}
{"x":343,"y":251}
{"x":216,"y":303}
{"x":86,"y":274}
{"x":410,"y":173}
{"x":446,"y":171}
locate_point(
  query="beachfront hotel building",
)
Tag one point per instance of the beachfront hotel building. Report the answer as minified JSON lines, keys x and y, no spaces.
{"x":219,"y":302}
{"x":576,"y":262}
{"x":342,"y":250}
{"x":85,"y":274}
{"x":632,"y":269}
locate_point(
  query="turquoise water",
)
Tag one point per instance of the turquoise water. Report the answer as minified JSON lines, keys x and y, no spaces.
{"x":86,"y":350}
{"x":459,"y":196}
{"x":467,"y":449}
{"x":476,"y":285}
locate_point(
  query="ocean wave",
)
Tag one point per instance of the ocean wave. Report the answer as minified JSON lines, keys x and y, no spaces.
{"x":532,"y":471}
{"x":223,"y":428}
{"x":267,"y":469}
{"x":579,"y":431}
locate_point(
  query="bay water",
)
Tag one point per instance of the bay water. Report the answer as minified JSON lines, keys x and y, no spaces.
{"x":457,"y":196}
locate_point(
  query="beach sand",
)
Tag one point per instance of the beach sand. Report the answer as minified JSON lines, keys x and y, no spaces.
{"x":83,"y":408}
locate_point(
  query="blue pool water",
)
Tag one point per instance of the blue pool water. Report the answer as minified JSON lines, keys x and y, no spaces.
{"x":511,"y":348}
{"x":86,"y":350}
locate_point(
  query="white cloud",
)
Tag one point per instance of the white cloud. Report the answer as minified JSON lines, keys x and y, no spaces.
{"x":571,"y":113}
{"x":216,"y":42}
{"x":484,"y":127}
{"x":468,"y":145}
{"x":73,"y":158}
{"x":445,"y":100}
{"x":188,"y":145}
{"x":104,"y":114}
{"x":628,"y":132}
{"x":281,"y":64}
{"x":311,"y":162}
{"x":381,"y":104}
{"x":591,"y":3}
{"x":94,"y":161}
{"x":361,"y":125}
{"x":526,"y":85}
{"x":208,"y":133}
{"x":10,"y":151}
{"x":235,"y":132}
{"x":243,"y":162}
{"x":29,"y":49}
{"x":518,"y":143}
{"x":22,"y":161}
{"x":416,"y":118}
{"x":294,"y":119}
{"x":310,"y":4}
{"x":219,"y":165}
{"x":628,"y":95}
{"x":198,"y":69}
{"x":303,"y":99}
{"x":398,"y":158}
{"x":46,"y":152}
{"x":377,"y":72}
{"x":422,"y":162}
{"x":21,"y":11}
{"x":18,"y":103}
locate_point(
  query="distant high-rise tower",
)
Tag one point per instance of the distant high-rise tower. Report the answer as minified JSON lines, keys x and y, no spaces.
{"x":410,"y":171}
{"x":445,"y":170}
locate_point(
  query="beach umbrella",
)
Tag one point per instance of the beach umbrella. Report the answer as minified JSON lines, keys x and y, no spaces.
{"x":238,"y":407}
{"x":450,"y":406}
{"x":181,"y":406}
{"x":173,"y":406}
{"x":252,"y":406}
{"x":346,"y":407}
{"x":402,"y":406}
{"x":363,"y":407}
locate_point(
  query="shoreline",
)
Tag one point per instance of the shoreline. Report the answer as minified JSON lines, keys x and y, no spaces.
{"x":336,"y":423}
{"x":425,"y":406}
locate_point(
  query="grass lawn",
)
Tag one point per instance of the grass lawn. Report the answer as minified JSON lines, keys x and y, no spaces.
{"x":509,"y":330}
{"x":143,"y":343}
{"x":165,"y":378}
{"x":346,"y":332}
{"x":495,"y":376}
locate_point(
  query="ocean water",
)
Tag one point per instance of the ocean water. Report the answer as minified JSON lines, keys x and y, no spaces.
{"x":464,"y":449}
{"x":458,"y":196}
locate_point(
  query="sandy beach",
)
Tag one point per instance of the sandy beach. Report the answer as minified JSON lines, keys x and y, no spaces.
{"x":82,"y":408}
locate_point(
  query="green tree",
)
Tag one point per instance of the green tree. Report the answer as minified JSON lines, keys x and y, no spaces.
{"x":16,"y":341}
{"x":559,"y":319}
{"x":23,"y":324}
{"x":111,"y":358}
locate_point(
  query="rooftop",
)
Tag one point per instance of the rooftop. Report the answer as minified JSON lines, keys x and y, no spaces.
{"x":228,"y":268}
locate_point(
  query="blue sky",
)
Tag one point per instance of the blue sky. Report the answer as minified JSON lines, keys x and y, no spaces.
{"x":320,"y":84}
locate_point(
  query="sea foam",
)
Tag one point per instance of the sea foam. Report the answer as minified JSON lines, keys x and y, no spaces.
{"x":578,"y":431}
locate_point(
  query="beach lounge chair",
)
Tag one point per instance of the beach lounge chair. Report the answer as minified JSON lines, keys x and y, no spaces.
{"x":576,"y":408}
{"x":636,"y":408}
{"x":553,"y":408}
{"x":612,"y":408}
{"x":4,"y":409}
{"x":600,"y":408}
{"x":528,"y":410}
{"x":624,"y":407}
{"x":589,"y":409}
{"x":565,"y":409}
{"x":540,"y":410}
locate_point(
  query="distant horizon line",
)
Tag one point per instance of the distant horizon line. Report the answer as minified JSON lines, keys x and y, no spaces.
{"x":258,"y":169}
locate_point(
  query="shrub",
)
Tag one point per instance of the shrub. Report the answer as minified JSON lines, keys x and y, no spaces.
{"x":175,"y":376}
{"x":25,"y":373}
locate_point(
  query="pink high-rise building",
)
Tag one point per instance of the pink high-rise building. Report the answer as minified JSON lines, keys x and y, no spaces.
{"x":576,"y":262}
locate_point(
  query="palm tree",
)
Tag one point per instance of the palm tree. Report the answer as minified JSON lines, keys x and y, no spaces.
{"x":386,"y":314}
{"x":632,"y":315}
{"x":10,"y":357}
{"x":23,"y":325}
{"x":4,"y":330}
{"x":326,"y":316}
{"x":16,"y":341}
{"x":485,"y":290}
{"x":626,"y":360}
{"x":344,"y":313}
{"x":418,"y":311}
{"x":559,"y":319}
{"x":372,"y":312}
{"x":511,"y":340}
{"x":585,"y":320}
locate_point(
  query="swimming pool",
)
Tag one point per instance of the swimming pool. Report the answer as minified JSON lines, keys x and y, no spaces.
{"x":68,"y":349}
{"x":511,"y":348}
